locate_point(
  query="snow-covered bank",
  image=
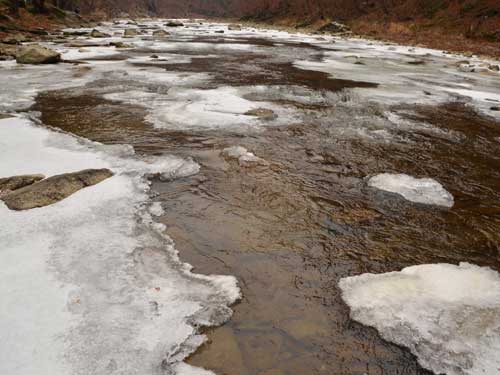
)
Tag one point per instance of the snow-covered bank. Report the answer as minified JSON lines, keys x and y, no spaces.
{"x":418,"y":190}
{"x":91,"y":285}
{"x":447,"y":315}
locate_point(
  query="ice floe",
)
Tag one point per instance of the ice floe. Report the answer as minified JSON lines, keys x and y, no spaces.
{"x":91,"y":285}
{"x":418,"y":190}
{"x":447,"y":315}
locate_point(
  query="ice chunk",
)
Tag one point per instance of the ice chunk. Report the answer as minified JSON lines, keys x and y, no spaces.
{"x":245,"y":158}
{"x":447,"y":315}
{"x":418,"y":190}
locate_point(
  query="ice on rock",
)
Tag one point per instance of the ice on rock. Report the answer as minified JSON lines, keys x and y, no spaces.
{"x":447,"y":315}
{"x":91,"y":285}
{"x":418,"y":190}
{"x":244,"y":157}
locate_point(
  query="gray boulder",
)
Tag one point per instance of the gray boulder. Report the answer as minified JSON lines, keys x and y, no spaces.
{"x":37,"y":54}
{"x":53,"y":189}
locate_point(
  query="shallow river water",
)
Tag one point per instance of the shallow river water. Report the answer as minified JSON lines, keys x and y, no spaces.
{"x":290,"y":227}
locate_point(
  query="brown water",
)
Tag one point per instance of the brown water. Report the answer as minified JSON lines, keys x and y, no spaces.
{"x":291,"y":230}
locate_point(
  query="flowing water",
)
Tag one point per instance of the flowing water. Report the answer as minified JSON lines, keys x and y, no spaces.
{"x":289,"y":229}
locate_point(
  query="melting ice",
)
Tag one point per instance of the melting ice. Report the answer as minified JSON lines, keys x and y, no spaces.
{"x":418,"y":190}
{"x":447,"y":315}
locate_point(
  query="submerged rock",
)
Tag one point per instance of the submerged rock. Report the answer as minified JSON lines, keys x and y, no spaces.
{"x":264,"y":113}
{"x":37,"y":54}
{"x":9,"y":184}
{"x":53,"y":189}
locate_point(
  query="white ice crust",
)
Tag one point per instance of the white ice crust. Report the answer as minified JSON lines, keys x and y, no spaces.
{"x":91,"y":285}
{"x":418,"y":190}
{"x":447,"y":315}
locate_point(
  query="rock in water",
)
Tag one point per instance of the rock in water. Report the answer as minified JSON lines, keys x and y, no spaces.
{"x":234,"y":27}
{"x":98,"y":34}
{"x":447,"y":315}
{"x":37,"y":54}
{"x":130,"y":32}
{"x":53,"y":189}
{"x":174,"y":24}
{"x":8,"y":184}
{"x":160,"y":33}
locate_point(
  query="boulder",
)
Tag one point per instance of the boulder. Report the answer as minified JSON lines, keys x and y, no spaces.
{"x":130,"y":32}
{"x":174,"y":24}
{"x":99,"y":34}
{"x":76,"y":33}
{"x":234,"y":27}
{"x":37,"y":54}
{"x":16,"y":38}
{"x":335,"y":28}
{"x":120,"y":45}
{"x":8,"y":51}
{"x":160,"y":33}
{"x":8,"y":184}
{"x":263,"y":113}
{"x":53,"y":189}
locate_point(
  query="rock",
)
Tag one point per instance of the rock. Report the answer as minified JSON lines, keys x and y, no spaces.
{"x":53,"y":189}
{"x":9,"y":184}
{"x":130,"y":32}
{"x":39,"y":31}
{"x":98,"y":34}
{"x":174,"y":24}
{"x":76,"y":33}
{"x":494,"y":67}
{"x":495,"y":108}
{"x":16,"y":38}
{"x":37,"y":54}
{"x":120,"y":45}
{"x":153,"y":56}
{"x":8,"y":51}
{"x":83,"y":44}
{"x":234,"y":27}
{"x":263,"y":113}
{"x":219,"y":31}
{"x":335,"y":28}
{"x":160,"y":33}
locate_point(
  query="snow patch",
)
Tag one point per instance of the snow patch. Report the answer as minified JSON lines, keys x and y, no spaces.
{"x":447,"y":315}
{"x":418,"y":190}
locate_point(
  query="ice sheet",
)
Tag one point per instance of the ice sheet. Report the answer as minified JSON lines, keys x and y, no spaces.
{"x":447,"y":315}
{"x":91,"y":285}
{"x":418,"y":190}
